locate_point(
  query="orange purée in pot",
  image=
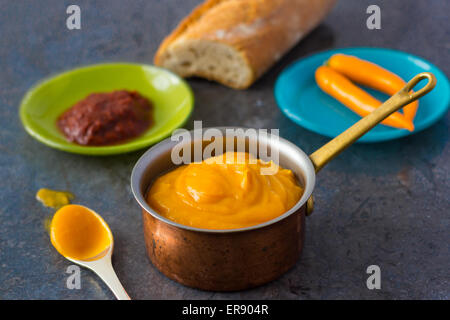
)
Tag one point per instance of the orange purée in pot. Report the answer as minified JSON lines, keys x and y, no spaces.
{"x":222,"y":193}
{"x":78,"y":233}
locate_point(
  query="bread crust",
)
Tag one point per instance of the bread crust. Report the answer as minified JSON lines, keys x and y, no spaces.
{"x":261,"y":31}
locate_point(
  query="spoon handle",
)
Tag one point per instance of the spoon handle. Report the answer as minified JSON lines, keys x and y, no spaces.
{"x":105,"y":271}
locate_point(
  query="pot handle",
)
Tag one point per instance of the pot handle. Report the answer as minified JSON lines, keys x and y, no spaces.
{"x":403,"y":97}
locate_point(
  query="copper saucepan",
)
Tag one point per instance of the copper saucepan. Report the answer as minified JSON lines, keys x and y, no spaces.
{"x":236,"y":259}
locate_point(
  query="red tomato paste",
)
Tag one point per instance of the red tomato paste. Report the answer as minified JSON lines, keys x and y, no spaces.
{"x":106,"y":118}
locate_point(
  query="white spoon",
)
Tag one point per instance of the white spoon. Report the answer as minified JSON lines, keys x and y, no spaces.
{"x":99,"y":263}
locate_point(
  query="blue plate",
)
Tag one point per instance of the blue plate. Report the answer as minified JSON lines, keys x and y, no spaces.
{"x":301,"y":100}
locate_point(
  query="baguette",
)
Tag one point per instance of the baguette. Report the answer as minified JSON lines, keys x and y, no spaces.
{"x":235,"y":41}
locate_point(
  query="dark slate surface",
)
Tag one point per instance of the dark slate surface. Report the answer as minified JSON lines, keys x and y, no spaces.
{"x":384,"y":204}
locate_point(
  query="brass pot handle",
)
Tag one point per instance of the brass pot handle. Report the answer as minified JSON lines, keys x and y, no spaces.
{"x":403,"y":97}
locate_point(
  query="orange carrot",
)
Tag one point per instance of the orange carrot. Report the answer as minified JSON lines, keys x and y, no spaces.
{"x":372,"y":76}
{"x":355,"y":98}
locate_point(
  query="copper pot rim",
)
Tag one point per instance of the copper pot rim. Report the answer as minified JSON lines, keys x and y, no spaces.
{"x":303,"y":161}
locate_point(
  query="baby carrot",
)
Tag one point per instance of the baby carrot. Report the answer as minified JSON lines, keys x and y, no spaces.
{"x":355,"y":98}
{"x":372,"y":76}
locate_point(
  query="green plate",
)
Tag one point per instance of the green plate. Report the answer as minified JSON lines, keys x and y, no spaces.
{"x":172,"y":99}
